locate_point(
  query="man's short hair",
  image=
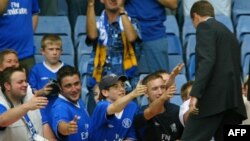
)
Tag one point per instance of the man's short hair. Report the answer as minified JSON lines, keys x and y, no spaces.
{"x":151,"y":77}
{"x":7,"y":73}
{"x":202,"y":8}
{"x":66,"y":71}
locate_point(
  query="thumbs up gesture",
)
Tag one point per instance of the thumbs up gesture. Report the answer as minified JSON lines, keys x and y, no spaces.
{"x":72,"y":126}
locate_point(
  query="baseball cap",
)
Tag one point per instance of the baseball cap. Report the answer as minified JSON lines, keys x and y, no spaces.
{"x":110,"y":80}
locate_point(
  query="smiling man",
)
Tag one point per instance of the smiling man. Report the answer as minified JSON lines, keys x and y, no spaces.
{"x":20,"y":118}
{"x":70,"y":120}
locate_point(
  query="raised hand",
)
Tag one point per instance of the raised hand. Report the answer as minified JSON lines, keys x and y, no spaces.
{"x":169,"y":93}
{"x":37,"y":102}
{"x":174,"y":73}
{"x":140,"y":89}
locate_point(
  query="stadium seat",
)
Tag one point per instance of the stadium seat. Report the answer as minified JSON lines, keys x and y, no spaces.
{"x":243,"y":27}
{"x":191,"y":68}
{"x":175,"y":60}
{"x":172,"y":25}
{"x":245,"y":48}
{"x":83,"y":53}
{"x":180,"y":80}
{"x":187,"y":30}
{"x":190,"y":49}
{"x":53,"y":24}
{"x":226,"y":21}
{"x":174,"y":45}
{"x":239,"y":8}
{"x":80,"y":28}
{"x":67,"y":53}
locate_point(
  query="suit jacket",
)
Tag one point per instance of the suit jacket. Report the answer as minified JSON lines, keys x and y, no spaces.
{"x":217,"y":82}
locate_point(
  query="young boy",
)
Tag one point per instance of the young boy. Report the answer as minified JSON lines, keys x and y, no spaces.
{"x":42,"y":73}
{"x":114,"y":113}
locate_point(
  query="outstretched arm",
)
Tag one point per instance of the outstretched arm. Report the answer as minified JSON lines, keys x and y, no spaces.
{"x":157,"y":106}
{"x":121,"y":103}
{"x":68,"y":128}
{"x":3,"y":6}
{"x":18,"y":112}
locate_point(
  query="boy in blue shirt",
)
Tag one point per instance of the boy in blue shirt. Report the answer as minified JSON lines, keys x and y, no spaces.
{"x":113,"y":115}
{"x":41,"y":74}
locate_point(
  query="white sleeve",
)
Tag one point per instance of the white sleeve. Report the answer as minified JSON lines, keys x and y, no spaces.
{"x":183,"y":109}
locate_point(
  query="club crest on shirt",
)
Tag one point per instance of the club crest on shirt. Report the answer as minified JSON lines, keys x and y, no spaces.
{"x":126,"y":123}
{"x":173,"y":127}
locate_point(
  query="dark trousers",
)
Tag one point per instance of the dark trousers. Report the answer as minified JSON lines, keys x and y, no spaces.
{"x":203,"y":129}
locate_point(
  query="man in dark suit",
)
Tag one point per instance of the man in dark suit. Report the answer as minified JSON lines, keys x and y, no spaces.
{"x":216,"y":97}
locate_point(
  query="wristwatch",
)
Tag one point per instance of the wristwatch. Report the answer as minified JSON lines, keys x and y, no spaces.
{"x":123,"y":13}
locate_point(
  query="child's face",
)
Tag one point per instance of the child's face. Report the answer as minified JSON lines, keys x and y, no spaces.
{"x":52,"y":53}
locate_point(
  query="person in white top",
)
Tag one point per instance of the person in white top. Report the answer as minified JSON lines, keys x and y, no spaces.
{"x":20,"y":118}
{"x":184,"y":113}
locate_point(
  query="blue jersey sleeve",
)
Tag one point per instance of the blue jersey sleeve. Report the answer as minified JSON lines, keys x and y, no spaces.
{"x":32,"y":79}
{"x":99,"y":116}
{"x":2,"y":109}
{"x":59,"y":113}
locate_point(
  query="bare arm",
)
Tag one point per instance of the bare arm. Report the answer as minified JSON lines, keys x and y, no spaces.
{"x":121,"y":103}
{"x":91,"y":20}
{"x":185,"y":116}
{"x":157,"y":106}
{"x":172,"y":4}
{"x":3,"y":6}
{"x":34,"y":22}
{"x":48,"y":133}
{"x":129,"y":30}
{"x":17,"y":113}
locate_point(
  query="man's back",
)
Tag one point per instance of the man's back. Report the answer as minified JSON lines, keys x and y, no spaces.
{"x":218,"y":80}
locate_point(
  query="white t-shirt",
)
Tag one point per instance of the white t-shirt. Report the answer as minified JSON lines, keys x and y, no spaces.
{"x":18,"y":131}
{"x":183,"y":109}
